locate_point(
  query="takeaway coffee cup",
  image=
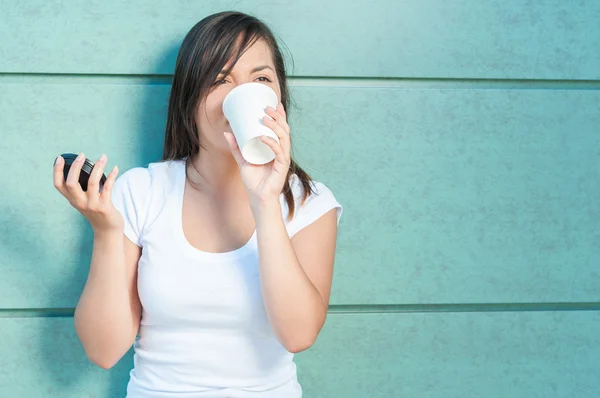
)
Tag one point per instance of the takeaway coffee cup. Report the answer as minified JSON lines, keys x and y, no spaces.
{"x":244,"y":107}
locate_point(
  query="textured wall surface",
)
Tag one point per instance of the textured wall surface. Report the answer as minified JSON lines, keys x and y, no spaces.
{"x":462,"y":138}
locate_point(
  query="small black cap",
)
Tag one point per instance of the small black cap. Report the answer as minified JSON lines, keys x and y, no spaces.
{"x":86,"y":170}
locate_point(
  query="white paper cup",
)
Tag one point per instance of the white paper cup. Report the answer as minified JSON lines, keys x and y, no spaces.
{"x":244,"y":107}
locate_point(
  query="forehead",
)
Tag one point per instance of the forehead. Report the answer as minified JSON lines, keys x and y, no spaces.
{"x":258,"y":53}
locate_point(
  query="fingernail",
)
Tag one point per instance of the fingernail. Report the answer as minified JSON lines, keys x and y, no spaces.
{"x":57,"y":159}
{"x":80,"y":157}
{"x":102,"y":158}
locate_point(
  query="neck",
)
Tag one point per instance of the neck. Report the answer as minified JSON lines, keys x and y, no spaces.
{"x":214,"y":171}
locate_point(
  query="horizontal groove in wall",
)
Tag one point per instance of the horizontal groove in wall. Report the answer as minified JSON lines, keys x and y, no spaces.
{"x":314,"y":81}
{"x":363,"y":309}
{"x":36,"y":312}
{"x":469,"y":307}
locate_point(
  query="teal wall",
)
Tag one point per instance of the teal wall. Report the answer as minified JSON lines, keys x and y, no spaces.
{"x":462,"y":137}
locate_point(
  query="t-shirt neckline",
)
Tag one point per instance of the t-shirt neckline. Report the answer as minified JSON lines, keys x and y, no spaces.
{"x":242,"y":251}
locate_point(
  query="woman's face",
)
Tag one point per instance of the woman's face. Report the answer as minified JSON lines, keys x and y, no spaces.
{"x":255,"y":65}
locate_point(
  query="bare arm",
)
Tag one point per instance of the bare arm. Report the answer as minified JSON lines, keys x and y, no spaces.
{"x":108,"y":314}
{"x":296,"y":275}
{"x":107,"y":317}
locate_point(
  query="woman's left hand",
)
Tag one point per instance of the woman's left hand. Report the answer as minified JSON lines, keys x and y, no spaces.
{"x":264,"y":183}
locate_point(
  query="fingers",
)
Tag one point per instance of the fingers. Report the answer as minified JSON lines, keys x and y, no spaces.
{"x":76,"y":194}
{"x":93,"y":187}
{"x":96,"y":206}
{"x":59,"y":178}
{"x":279,"y":116}
{"x":280,"y":155}
{"x":94,"y":196}
{"x":107,"y":188}
{"x":235,"y":149}
{"x":281,"y":110}
{"x":276,"y":122}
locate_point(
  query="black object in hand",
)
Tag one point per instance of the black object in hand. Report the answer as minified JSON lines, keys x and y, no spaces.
{"x":86,"y":170}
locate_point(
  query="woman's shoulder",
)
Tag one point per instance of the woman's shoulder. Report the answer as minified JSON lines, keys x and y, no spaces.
{"x":316,"y":188}
{"x":140,"y":195}
{"x":157,"y":173}
{"x":151,"y":184}
{"x":310,"y":207}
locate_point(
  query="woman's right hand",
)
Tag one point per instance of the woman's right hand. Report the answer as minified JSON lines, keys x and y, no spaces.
{"x":96,"y":206}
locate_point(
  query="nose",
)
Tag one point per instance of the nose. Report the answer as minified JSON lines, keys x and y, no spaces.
{"x":236,"y":83}
{"x":239,"y":82}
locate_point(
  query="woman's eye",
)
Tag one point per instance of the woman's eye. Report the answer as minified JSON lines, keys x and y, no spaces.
{"x":219,"y":82}
{"x":266,"y":79}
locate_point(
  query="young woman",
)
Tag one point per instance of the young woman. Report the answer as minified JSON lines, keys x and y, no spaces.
{"x":216,"y":270}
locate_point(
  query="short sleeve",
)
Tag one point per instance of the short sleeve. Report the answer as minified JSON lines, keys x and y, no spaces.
{"x":130,"y":198}
{"x":313,"y":208}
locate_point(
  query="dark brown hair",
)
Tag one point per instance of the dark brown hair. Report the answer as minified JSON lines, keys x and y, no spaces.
{"x":205,"y":51}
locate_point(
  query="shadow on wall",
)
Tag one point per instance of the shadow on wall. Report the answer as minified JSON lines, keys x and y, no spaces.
{"x":150,"y":126}
{"x":152,"y":111}
{"x":63,"y":367}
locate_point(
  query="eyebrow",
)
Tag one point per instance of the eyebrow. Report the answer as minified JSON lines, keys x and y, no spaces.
{"x":257,"y":69}
{"x":262,"y":67}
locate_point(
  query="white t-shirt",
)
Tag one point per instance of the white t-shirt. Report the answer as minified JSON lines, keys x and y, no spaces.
{"x":204,"y":331}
